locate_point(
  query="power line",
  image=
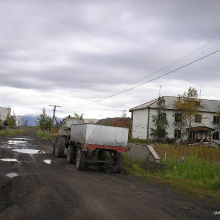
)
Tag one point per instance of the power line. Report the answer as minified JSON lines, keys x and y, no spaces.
{"x":170,"y":65}
{"x":140,"y":84}
{"x":54,"y":111}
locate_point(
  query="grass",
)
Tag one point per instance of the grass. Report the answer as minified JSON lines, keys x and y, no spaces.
{"x":47,"y":135}
{"x":202,"y":152}
{"x":12,"y":131}
{"x":197,"y":176}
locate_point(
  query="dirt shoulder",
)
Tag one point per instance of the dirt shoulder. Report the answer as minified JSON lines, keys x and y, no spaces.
{"x":58,"y":190}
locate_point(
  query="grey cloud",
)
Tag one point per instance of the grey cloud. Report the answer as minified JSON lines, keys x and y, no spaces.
{"x":35,"y":35}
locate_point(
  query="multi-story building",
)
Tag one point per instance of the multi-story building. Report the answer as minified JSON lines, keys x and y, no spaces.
{"x":205,"y":124}
{"x":4,"y":112}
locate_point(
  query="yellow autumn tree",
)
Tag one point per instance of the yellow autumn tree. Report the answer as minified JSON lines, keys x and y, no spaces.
{"x":188,"y":105}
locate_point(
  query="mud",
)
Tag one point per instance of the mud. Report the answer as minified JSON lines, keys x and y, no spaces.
{"x":42,"y":186}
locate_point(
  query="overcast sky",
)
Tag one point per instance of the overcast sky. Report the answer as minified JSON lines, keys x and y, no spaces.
{"x":73,"y":53}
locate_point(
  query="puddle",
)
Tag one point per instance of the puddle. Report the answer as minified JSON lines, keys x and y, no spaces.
{"x":29,"y":151}
{"x":11,"y":175}
{"x":6,"y":146}
{"x":13,"y":142}
{"x":9,"y":160}
{"x":48,"y":161}
{"x":23,"y":138}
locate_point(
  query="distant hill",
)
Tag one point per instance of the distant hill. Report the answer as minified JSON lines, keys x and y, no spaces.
{"x":31,"y":119}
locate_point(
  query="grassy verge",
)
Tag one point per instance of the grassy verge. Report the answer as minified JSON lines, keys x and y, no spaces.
{"x":12,"y":131}
{"x":47,"y":135}
{"x":194,"y":177}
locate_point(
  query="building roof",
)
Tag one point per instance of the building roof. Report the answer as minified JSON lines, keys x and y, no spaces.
{"x":114,"y":121}
{"x":207,"y":105}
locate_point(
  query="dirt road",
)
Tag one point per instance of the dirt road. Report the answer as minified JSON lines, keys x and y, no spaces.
{"x":32,"y":188}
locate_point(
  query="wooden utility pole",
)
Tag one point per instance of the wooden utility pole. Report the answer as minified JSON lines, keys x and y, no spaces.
{"x":54,"y":110}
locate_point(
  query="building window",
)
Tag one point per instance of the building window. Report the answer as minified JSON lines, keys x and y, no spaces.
{"x":178,"y":117}
{"x":177,"y":134}
{"x":163,"y":115}
{"x":198,"y":118}
{"x":215,"y":120}
{"x":216,"y":136}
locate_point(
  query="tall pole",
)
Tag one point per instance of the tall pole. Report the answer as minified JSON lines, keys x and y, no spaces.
{"x":54,"y":111}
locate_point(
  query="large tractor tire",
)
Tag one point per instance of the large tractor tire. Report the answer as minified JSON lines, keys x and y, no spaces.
{"x":71,"y":154}
{"x":118,"y":165}
{"x":80,"y":159}
{"x":60,"y":147}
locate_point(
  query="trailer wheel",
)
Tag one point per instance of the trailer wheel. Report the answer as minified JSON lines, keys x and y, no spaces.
{"x":101,"y":156}
{"x":118,"y":166}
{"x":71,"y":155}
{"x":60,"y":146}
{"x":80,"y":159}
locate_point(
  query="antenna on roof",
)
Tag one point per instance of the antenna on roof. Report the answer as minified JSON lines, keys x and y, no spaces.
{"x":200,"y":94}
{"x":160,"y":89}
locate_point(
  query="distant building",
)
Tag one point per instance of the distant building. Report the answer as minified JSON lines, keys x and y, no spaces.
{"x":4,"y":112}
{"x":90,"y":121}
{"x":17,"y":120}
{"x":118,"y":122}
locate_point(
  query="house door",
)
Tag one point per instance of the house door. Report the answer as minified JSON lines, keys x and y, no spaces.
{"x":192,"y":136}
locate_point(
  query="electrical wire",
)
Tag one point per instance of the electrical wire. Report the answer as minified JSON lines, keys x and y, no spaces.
{"x":140,"y":84}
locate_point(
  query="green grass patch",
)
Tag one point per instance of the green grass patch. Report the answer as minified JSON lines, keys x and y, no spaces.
{"x":47,"y":135}
{"x":194,"y":177}
{"x":139,"y":141}
{"x":12,"y":131}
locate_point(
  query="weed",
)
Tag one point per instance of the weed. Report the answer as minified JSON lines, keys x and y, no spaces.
{"x":12,"y":131}
{"x":47,"y":135}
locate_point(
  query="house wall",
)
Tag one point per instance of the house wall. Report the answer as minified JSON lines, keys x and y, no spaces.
{"x":139,"y":125}
{"x":141,"y":129}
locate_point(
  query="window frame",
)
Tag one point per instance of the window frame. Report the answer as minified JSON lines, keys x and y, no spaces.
{"x":177,"y":117}
{"x":215,"y":120}
{"x":177,"y":134}
{"x":215,"y":135}
{"x":198,"y":118}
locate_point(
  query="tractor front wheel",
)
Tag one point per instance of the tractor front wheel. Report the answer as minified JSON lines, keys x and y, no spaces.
{"x":60,"y":147}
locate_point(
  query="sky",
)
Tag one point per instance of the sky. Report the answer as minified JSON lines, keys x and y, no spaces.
{"x":103,"y":57}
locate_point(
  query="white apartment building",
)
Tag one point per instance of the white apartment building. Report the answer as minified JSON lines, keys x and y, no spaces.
{"x":4,"y":112}
{"x":204,"y":125}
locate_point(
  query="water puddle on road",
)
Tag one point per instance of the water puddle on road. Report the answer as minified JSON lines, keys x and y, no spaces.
{"x":29,"y":151}
{"x":11,"y":175}
{"x":9,"y":159}
{"x":16,"y":142}
{"x":48,"y":161}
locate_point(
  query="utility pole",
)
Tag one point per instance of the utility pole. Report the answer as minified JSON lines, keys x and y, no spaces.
{"x":54,"y":110}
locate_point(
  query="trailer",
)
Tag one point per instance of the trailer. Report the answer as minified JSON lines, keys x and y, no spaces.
{"x":97,"y":144}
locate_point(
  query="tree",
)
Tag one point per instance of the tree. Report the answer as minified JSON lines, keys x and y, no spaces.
{"x":160,"y":120}
{"x":188,"y":106}
{"x":9,"y":121}
{"x":76,"y":115}
{"x":124,"y":114}
{"x":45,"y":122}
{"x":217,"y":119}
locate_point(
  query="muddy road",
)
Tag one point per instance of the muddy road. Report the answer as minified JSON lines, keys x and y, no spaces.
{"x":36,"y":185}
